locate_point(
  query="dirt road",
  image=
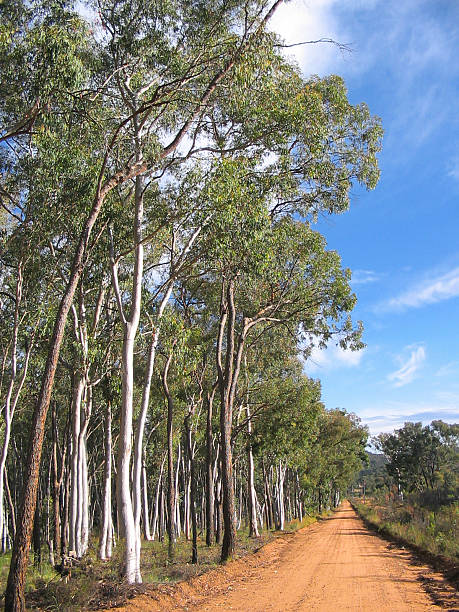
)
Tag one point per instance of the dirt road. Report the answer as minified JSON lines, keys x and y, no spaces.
{"x":336,"y":564}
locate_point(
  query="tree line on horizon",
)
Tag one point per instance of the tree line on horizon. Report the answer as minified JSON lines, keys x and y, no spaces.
{"x":417,"y":461}
{"x":162,"y":165}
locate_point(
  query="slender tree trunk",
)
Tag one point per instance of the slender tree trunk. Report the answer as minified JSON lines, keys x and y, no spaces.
{"x":227,"y":381}
{"x":218,"y":511}
{"x":10,"y":504}
{"x":105,"y":542}
{"x":123,"y":491}
{"x":280,"y":496}
{"x":269,"y":504}
{"x":126,"y":519}
{"x":170,"y":460}
{"x":145,"y":511}
{"x":251,"y":493}
{"x":56,"y":488}
{"x":37,"y":537}
{"x":66,"y":515}
{"x":158,"y":500}
{"x":78,"y":385}
{"x":140,"y":427}
{"x":224,"y":378}
{"x":210,"y":519}
{"x":194,"y":547}
{"x":83,"y":456}
{"x":177,"y":518}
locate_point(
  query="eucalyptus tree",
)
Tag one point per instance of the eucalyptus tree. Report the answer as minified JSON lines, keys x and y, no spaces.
{"x":420,"y":458}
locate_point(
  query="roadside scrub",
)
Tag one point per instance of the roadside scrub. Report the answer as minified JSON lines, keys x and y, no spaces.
{"x":432,"y":534}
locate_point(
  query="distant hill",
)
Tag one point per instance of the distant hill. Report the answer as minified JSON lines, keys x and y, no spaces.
{"x":374,"y":475}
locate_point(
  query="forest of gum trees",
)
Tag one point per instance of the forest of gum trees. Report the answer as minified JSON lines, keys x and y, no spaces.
{"x":161,"y":282}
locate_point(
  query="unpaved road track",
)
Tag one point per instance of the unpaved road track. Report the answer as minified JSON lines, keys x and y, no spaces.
{"x":336,"y":564}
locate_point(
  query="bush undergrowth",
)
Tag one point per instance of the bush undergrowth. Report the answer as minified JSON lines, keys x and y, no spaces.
{"x":436,"y":532}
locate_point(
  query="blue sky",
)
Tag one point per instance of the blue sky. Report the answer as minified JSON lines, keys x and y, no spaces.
{"x":401,"y":240}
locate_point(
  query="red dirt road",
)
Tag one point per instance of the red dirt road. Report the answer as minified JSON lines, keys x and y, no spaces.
{"x":336,"y":564}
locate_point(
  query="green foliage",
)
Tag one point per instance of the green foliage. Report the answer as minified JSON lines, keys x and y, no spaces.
{"x":424,"y":459}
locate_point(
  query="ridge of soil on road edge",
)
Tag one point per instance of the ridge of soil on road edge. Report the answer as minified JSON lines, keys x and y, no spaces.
{"x":446,"y":566}
{"x":189,"y":592}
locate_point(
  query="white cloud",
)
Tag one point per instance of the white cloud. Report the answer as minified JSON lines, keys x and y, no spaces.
{"x":443,"y":287}
{"x":299,"y":21}
{"x":404,"y":39}
{"x":331,"y":358}
{"x":392,"y":415}
{"x":363,"y":277}
{"x":409,"y":367}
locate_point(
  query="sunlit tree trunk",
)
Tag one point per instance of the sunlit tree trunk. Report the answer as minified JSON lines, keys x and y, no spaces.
{"x":105,"y":542}
{"x":210,"y":481}
{"x":171,"y":533}
{"x":190,"y":452}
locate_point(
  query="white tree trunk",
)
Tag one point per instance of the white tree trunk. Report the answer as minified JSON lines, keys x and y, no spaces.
{"x":156,"y":528}
{"x":140,"y":429}
{"x":253,"y":522}
{"x":145,"y":511}
{"x":105,"y":543}
{"x":178,"y":522}
{"x":280,"y":496}
{"x":11,"y":400}
{"x":75,"y":480}
{"x":123,"y":489}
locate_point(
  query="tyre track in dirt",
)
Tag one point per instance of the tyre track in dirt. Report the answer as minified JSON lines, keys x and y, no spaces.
{"x":335,"y":564}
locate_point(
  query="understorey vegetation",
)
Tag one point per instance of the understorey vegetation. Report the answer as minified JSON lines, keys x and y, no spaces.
{"x":162,"y":166}
{"x":413,"y":494}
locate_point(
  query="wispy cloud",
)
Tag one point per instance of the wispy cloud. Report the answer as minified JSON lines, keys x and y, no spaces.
{"x":409,"y":366}
{"x":453,"y":169}
{"x":363,"y":277}
{"x":392,"y":415}
{"x":443,"y":287}
{"x":331,"y":358}
{"x":298,"y":21}
{"x":449,"y":369}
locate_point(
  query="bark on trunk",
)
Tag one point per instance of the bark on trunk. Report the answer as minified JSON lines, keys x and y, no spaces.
{"x":37,"y":537}
{"x":227,"y":382}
